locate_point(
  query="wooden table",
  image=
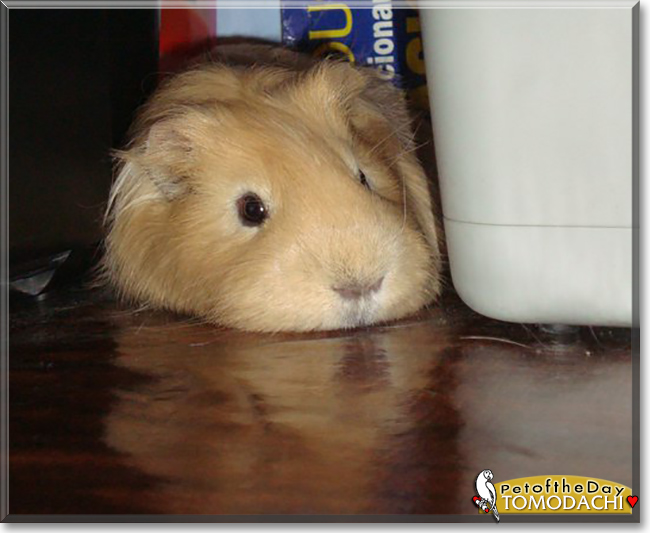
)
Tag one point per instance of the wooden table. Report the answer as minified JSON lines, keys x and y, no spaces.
{"x":116,"y":411}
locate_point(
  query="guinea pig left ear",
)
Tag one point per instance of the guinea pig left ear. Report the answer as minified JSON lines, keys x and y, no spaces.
{"x":165,"y":158}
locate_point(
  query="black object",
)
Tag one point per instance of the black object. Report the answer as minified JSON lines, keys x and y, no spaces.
{"x":76,"y":77}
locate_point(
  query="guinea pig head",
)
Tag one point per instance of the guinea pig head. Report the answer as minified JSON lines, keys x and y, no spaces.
{"x":267,"y":199}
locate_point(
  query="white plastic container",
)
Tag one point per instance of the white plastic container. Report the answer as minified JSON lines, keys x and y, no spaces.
{"x":533,"y":126}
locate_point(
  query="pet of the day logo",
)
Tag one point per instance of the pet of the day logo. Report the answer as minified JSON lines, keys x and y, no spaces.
{"x":552,"y":495}
{"x":486,"y":500}
{"x":566,"y":495}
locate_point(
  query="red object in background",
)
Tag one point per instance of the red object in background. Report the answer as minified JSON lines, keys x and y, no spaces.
{"x":183,"y":32}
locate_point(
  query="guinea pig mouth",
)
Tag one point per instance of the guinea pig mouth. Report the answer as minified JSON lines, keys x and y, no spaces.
{"x":358,"y":313}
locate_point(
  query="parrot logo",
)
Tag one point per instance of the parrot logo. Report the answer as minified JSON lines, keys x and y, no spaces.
{"x":486,"y":500}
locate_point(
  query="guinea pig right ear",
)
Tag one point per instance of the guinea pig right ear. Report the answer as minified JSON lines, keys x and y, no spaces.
{"x":165,"y":157}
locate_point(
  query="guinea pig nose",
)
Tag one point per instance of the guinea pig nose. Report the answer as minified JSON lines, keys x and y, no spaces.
{"x":354,"y":291}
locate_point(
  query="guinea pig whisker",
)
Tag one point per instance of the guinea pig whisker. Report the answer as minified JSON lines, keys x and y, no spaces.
{"x":403,"y":207}
{"x":386,"y":138}
{"x":404,"y":152}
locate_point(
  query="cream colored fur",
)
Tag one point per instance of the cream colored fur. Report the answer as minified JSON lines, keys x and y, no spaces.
{"x":294,"y":132}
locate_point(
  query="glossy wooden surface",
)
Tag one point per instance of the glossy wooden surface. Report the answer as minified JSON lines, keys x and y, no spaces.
{"x":114,"y":411}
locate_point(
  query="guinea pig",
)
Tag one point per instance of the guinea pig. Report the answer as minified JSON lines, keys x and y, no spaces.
{"x":267,"y":191}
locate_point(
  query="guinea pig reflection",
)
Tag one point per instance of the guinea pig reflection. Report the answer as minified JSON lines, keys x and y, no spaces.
{"x":260,"y":425}
{"x":275,"y":194}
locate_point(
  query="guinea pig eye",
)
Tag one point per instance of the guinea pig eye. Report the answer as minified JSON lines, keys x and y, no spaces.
{"x":252,"y":211}
{"x":363,"y":180}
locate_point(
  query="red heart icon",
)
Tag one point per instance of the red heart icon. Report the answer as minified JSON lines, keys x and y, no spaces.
{"x":632,"y":500}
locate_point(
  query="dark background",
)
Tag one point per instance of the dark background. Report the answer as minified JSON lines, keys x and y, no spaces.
{"x":75,"y":78}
